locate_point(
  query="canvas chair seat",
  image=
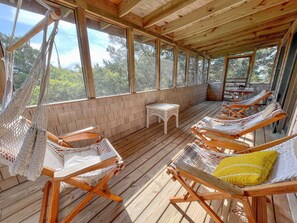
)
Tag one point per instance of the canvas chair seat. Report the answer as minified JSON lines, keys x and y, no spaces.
{"x":208,"y":128}
{"x":207,"y":160}
{"x":196,"y":165}
{"x":74,"y":158}
{"x":240,"y":109}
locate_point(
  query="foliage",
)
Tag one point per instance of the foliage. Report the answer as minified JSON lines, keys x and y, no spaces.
{"x":112,"y":77}
{"x":192,"y":70}
{"x":166,"y":67}
{"x":181,"y":69}
{"x":22,"y":63}
{"x":263,"y":65}
{"x":216,"y":70}
{"x":145,"y":65}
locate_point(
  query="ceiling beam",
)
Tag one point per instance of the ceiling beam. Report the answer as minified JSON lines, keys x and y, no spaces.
{"x":241,"y":35}
{"x":252,"y":35}
{"x":244,"y":49}
{"x":166,"y":10}
{"x":206,"y":11}
{"x":204,"y":40}
{"x":243,"y":43}
{"x":127,"y":6}
{"x":251,"y":12}
{"x":225,"y":30}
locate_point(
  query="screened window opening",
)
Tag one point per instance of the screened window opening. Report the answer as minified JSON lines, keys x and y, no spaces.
{"x":66,"y":78}
{"x":263,"y":65}
{"x":181,"y":68}
{"x":216,"y":70}
{"x":166,"y":65}
{"x":192,"y":70}
{"x":145,"y":62}
{"x":206,"y":64}
{"x":109,"y":57}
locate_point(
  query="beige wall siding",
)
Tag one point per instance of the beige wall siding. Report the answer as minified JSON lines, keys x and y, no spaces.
{"x":115,"y":117}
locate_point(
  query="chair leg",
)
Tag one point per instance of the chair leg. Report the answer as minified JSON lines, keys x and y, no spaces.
{"x":248,"y":210}
{"x":54,"y":202}
{"x":43,"y":211}
{"x":90,"y":195}
{"x":200,"y":200}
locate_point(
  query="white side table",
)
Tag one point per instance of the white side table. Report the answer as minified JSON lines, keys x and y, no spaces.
{"x":164,"y":111}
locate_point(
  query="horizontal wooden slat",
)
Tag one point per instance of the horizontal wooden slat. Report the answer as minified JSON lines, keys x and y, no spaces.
{"x":236,"y":38}
{"x":207,"y":11}
{"x":250,"y":12}
{"x":127,"y":6}
{"x":207,"y":37}
{"x":165,"y":10}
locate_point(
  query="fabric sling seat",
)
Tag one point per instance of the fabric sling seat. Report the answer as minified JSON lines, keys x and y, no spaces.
{"x":239,"y":109}
{"x":88,"y":168}
{"x":195,"y":165}
{"x":218,"y":134}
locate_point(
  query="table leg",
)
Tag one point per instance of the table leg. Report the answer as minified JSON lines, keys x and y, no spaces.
{"x":165,"y":127}
{"x":176,"y":120}
{"x":159,"y":119}
{"x":147,"y":120}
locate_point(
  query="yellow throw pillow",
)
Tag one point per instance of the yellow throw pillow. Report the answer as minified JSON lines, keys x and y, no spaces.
{"x":246,"y":170}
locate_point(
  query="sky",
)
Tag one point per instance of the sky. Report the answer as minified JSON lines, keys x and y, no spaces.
{"x":66,"y":39}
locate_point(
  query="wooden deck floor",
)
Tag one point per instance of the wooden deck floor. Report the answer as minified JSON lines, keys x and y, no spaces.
{"x":144,"y":184}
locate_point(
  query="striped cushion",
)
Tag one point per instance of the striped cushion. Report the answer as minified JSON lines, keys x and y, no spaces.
{"x":246,"y":170}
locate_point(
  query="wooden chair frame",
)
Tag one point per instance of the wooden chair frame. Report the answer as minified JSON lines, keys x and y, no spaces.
{"x":237,"y":110}
{"x":52,"y":187}
{"x":215,"y":140}
{"x":188,"y":177}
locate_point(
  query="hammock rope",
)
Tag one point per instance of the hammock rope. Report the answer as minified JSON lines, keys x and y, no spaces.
{"x":23,"y":144}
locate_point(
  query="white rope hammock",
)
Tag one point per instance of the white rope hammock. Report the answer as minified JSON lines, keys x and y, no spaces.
{"x":23,"y":144}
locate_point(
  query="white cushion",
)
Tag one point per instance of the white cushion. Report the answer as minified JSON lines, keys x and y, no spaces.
{"x":79,"y":158}
{"x":269,"y":109}
{"x":52,"y":159}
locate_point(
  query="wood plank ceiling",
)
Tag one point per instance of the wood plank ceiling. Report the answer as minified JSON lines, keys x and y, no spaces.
{"x":212,"y":27}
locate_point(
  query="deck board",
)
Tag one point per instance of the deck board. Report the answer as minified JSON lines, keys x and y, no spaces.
{"x":144,"y":184}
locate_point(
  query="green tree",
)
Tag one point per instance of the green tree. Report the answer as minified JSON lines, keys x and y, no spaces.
{"x":263,"y":65}
{"x":216,"y":70}
{"x":24,"y":57}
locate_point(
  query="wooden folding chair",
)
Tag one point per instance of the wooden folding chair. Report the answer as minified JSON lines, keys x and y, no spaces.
{"x":239,"y":109}
{"x":217,"y":134}
{"x":108,"y":164}
{"x":194,"y":165}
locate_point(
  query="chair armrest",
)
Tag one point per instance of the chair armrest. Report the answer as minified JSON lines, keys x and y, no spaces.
{"x":226,"y":143}
{"x":106,"y":160}
{"x":269,"y":144}
{"x":207,"y":180}
{"x":80,"y":135}
{"x":216,"y":132}
{"x":235,"y":106}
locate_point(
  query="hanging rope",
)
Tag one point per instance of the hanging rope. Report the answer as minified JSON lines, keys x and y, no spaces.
{"x":23,"y":145}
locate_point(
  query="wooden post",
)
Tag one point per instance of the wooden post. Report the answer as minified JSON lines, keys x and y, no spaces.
{"x":274,"y":65}
{"x":226,"y":61}
{"x":251,"y":67}
{"x":187,"y":66}
{"x":54,"y":202}
{"x":2,"y":73}
{"x":175,"y":64}
{"x":158,"y":73}
{"x":131,"y":61}
{"x":85,"y":52}
{"x":284,"y":63}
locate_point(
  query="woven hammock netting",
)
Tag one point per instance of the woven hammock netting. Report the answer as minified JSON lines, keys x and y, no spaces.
{"x":23,"y":143}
